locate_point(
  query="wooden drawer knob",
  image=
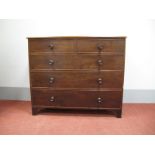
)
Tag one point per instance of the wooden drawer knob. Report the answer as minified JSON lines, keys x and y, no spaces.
{"x":99,"y":80}
{"x":100,"y":47}
{"x":99,"y":62}
{"x":51,"y":80}
{"x":52,"y":99}
{"x":51,"y":46}
{"x":99,"y":100}
{"x":51,"y":62}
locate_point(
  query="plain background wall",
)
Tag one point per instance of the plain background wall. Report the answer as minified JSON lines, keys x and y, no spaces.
{"x":140,"y":46}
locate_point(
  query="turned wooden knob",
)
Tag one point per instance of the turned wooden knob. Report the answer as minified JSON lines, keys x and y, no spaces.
{"x":51,"y":46}
{"x":52,"y":99}
{"x":51,"y":80}
{"x":100,"y":62}
{"x":51,"y":62}
{"x":99,"y":100}
{"x":99,"y":80}
{"x":100,"y":47}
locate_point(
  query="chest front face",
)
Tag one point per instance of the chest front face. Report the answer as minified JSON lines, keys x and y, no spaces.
{"x":77,"y":73}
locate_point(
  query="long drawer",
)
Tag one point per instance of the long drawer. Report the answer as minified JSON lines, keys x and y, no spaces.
{"x":77,"y":61}
{"x":75,"y":99}
{"x":78,"y":45}
{"x":77,"y":79}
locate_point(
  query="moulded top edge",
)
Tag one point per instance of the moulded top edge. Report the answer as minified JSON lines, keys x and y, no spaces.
{"x":78,"y":37}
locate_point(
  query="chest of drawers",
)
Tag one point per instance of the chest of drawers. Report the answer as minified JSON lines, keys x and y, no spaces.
{"x":77,"y":73}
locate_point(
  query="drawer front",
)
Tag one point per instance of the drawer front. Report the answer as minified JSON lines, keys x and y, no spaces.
{"x":73,"y":45}
{"x":77,"y":61}
{"x":88,"y":99}
{"x":101,"y":45}
{"x":73,"y":79}
{"x":52,"y":45}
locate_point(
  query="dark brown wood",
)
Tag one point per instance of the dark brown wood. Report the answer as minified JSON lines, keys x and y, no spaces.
{"x":77,"y":79}
{"x":118,"y":113}
{"x":70,"y":98}
{"x":77,"y":61}
{"x":101,"y":45}
{"x":80,"y":45}
{"x":52,"y":45}
{"x":77,"y":73}
{"x":35,"y":110}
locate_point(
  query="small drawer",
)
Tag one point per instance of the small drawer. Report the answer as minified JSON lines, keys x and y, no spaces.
{"x":77,"y":79}
{"x":77,"y":61}
{"x":101,"y":45}
{"x":51,"y":45}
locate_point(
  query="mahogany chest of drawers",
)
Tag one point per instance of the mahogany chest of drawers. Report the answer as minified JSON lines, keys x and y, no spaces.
{"x":77,"y":73}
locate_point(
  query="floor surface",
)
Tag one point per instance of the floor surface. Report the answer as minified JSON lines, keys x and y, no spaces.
{"x":16,"y":119}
